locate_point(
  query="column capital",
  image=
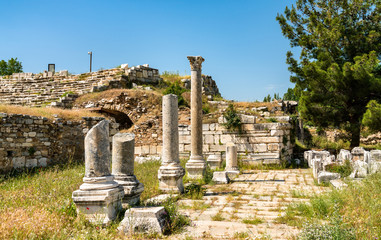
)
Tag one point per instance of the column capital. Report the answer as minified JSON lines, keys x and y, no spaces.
{"x":195,"y":62}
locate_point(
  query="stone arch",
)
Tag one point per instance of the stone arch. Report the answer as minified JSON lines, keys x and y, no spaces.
{"x":120,"y":117}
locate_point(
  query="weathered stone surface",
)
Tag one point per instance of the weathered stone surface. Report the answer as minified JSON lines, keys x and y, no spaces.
{"x":144,"y":220}
{"x":325,"y":177}
{"x":97,"y":151}
{"x":344,"y":155}
{"x":375,"y":155}
{"x":123,"y":167}
{"x":338,"y":184}
{"x":170,"y":173}
{"x":220,"y":177}
{"x":214,"y":161}
{"x":358,"y":154}
{"x":360,"y":169}
{"x":99,"y":197}
{"x":231,"y":158}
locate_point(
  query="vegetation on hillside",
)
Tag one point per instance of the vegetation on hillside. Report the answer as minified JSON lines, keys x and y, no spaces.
{"x":10,"y":67}
{"x":338,"y":72}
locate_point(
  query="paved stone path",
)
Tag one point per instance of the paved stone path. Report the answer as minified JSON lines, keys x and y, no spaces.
{"x":257,"y":195}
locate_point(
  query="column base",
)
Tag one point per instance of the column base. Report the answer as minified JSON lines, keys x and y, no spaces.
{"x":214,"y":162}
{"x":196,"y":167}
{"x":132,"y":189}
{"x":232,"y":172}
{"x":101,"y":202}
{"x":171,"y":178}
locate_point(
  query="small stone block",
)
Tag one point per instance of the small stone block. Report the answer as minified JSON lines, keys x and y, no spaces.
{"x":220,"y":177}
{"x":146,"y":219}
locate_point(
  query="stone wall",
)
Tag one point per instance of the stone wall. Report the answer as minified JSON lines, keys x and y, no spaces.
{"x":265,"y":142}
{"x":30,"y":141}
{"x":50,"y":88}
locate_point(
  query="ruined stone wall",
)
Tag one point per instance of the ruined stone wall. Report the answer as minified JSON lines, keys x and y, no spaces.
{"x":267,"y":142}
{"x":30,"y":141}
{"x":50,"y":88}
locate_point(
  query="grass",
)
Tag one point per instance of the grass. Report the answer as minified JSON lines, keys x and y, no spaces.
{"x":322,"y":142}
{"x":38,"y":204}
{"x":146,"y":173}
{"x":197,"y":206}
{"x":172,"y":77}
{"x":356,"y":208}
{"x":253,"y":221}
{"x":218,"y":217}
{"x":49,"y":112}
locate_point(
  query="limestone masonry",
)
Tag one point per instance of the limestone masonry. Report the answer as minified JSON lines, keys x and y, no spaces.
{"x":30,"y":141}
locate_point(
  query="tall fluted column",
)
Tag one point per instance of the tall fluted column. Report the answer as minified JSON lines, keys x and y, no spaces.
{"x":196,"y":164}
{"x":170,"y":173}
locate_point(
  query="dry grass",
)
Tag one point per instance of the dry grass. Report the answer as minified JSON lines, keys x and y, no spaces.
{"x":49,"y":112}
{"x":173,"y":76}
{"x":38,"y":204}
{"x":246,"y":105}
{"x":147,"y":98}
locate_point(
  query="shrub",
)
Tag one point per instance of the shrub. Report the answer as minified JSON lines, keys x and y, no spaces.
{"x":233,"y":121}
{"x":344,"y":170}
{"x":176,"y":222}
{"x":175,"y":88}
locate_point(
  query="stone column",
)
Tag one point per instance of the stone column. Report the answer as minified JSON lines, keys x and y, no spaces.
{"x":99,"y":197}
{"x":123,"y":145}
{"x":196,"y":164}
{"x":231,"y":159}
{"x":170,"y":173}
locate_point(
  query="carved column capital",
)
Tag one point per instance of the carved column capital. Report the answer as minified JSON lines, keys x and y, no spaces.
{"x":195,"y":62}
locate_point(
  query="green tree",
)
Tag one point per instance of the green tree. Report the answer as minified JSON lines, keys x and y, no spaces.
{"x":10,"y":67}
{"x":290,"y":95}
{"x":267,"y":98}
{"x":340,"y":43}
{"x":372,"y":116}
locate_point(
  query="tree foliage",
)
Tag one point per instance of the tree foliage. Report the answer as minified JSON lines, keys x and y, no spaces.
{"x":267,"y":98}
{"x":10,"y":67}
{"x":290,"y":95}
{"x":372,"y":116}
{"x":337,"y":71}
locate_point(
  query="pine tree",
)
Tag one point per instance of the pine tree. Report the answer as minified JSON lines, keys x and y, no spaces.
{"x":340,"y":42}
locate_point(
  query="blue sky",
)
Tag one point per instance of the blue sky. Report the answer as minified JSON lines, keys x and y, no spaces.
{"x":241,"y":41}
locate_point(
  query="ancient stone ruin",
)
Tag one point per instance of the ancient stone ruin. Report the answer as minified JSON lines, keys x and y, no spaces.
{"x":123,"y":167}
{"x":196,"y":164}
{"x":170,"y":173}
{"x":363,"y":163}
{"x":99,"y":197}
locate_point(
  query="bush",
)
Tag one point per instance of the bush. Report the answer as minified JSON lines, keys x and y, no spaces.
{"x":233,"y":121}
{"x":344,"y":170}
{"x":175,"y":88}
{"x":176,"y":222}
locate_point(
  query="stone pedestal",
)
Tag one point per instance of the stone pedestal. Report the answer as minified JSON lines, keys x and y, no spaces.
{"x":145,"y":220}
{"x":196,"y":164}
{"x":214,"y":161}
{"x":220,"y":177}
{"x":170,"y":174}
{"x":99,"y":197}
{"x":231,"y":160}
{"x":123,"y":168}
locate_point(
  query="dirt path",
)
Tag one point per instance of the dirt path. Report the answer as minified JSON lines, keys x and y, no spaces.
{"x":248,"y":207}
